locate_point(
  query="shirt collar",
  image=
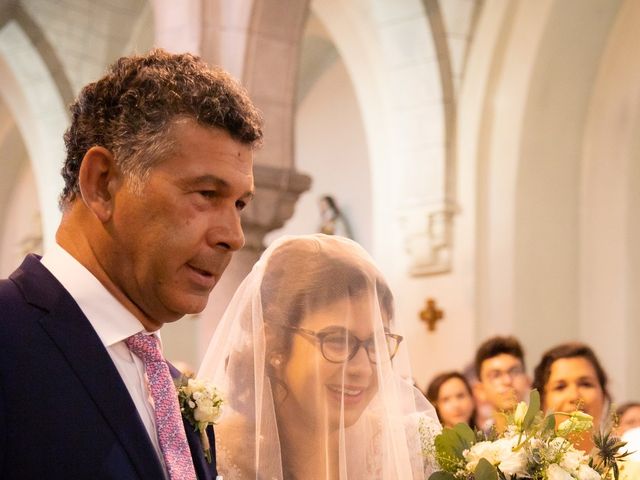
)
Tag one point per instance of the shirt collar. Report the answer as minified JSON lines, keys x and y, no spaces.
{"x":110,"y":319}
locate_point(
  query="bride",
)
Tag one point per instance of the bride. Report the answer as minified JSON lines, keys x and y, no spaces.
{"x":315,"y":376}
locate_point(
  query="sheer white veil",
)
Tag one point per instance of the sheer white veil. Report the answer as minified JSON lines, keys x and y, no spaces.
{"x":302,"y":356}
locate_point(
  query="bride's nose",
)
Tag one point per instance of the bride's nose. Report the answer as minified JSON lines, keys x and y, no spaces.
{"x":360,"y":363}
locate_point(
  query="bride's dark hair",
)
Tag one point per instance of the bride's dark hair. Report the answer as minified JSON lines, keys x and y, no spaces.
{"x":303,"y":276}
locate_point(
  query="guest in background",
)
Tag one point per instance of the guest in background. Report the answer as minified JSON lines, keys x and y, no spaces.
{"x":333,"y":222}
{"x":502,"y":379}
{"x":628,"y":416}
{"x":570,"y":377}
{"x":451,"y":394}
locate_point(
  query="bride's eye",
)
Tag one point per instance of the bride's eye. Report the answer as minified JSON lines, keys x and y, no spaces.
{"x":336,"y":344}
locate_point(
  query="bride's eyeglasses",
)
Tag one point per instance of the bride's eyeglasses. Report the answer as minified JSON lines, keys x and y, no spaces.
{"x":338,"y":346}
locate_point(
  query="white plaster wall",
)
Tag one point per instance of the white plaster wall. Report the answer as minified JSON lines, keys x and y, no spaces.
{"x":35,"y":104}
{"x":22,"y":220}
{"x":330,"y":147}
{"x":524,"y":129}
{"x":610,"y":183}
{"x":547,"y":223}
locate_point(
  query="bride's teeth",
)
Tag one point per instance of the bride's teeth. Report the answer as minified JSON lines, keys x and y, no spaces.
{"x":346,"y":391}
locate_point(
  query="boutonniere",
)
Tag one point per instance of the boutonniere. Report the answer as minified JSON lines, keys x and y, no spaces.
{"x":201,"y":404}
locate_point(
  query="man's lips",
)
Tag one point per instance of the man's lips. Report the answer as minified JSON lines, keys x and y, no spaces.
{"x":202,"y":276}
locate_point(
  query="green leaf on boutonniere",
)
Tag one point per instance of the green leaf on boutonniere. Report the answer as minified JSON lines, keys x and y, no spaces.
{"x":485,"y":471}
{"x":532,"y":411}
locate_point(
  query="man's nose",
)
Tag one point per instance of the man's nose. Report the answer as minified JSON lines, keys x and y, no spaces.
{"x":507,"y":378}
{"x":226,"y":230}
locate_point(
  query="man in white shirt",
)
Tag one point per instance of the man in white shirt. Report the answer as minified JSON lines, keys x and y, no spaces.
{"x":158,"y":170}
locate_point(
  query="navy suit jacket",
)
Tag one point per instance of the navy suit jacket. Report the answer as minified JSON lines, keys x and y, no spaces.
{"x":65,"y":413}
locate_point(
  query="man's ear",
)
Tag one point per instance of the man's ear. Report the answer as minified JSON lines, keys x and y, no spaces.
{"x":99,"y":179}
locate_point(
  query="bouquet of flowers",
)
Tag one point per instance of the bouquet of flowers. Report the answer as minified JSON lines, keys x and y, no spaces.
{"x":201,"y":404}
{"x":531,"y":448}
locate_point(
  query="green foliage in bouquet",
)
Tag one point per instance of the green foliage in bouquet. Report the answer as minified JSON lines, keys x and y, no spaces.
{"x":531,"y":448}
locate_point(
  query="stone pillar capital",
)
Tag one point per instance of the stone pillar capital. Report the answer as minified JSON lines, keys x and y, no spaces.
{"x":277,"y":191}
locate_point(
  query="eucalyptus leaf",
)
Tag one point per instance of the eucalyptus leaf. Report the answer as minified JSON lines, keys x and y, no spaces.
{"x":549,"y":424}
{"x":442,"y":476}
{"x":532,"y":411}
{"x":450,"y":443}
{"x":485,"y":471}
{"x":467,"y":435}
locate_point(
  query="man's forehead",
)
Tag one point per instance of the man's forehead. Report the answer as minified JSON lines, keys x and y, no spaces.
{"x":501,"y":361}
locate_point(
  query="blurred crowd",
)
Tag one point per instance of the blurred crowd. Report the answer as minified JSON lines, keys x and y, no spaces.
{"x":568,"y":377}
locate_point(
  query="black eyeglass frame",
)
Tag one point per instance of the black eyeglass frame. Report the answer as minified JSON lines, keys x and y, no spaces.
{"x":320,"y":337}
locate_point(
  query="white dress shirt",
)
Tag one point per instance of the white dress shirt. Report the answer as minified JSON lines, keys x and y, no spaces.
{"x":114,"y":324}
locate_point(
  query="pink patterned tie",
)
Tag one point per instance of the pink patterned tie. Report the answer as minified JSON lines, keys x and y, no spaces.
{"x":173,"y":441}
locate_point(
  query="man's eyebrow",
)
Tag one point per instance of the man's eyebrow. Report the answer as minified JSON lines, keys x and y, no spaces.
{"x":209,"y":179}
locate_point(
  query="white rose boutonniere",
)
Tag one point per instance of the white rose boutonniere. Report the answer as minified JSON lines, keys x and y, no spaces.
{"x":201,"y":404}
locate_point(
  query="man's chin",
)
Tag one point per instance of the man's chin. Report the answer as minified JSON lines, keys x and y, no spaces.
{"x":189,"y":306}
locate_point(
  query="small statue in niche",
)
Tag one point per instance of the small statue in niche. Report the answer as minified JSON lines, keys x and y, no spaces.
{"x":332,"y":221}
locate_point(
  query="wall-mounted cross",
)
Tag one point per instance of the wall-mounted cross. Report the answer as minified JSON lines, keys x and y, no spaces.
{"x":431,"y":314}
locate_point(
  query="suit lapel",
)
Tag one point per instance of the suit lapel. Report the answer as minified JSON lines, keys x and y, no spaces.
{"x":74,"y":336}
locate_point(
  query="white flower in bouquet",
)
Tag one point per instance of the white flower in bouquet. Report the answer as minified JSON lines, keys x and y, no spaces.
{"x":553,"y":450}
{"x":572,"y":459}
{"x":499,"y":453}
{"x":428,"y":429}
{"x":519,"y":414}
{"x":515,"y":464}
{"x":585,"y":472}
{"x":480,"y":450}
{"x":556,"y":472}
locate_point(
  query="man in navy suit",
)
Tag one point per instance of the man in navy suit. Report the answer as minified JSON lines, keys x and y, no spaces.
{"x":158,"y":170}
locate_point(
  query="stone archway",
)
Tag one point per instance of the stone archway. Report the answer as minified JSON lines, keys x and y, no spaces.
{"x":539,"y":134}
{"x":393,"y":62}
{"x":43,"y":61}
{"x":35,"y":103}
{"x":609,"y":228}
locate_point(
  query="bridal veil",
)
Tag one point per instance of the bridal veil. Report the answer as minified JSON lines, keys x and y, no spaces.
{"x":314,"y":372}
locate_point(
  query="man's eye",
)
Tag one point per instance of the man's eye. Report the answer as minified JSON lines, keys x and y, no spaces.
{"x":207,"y":193}
{"x":241,"y":205}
